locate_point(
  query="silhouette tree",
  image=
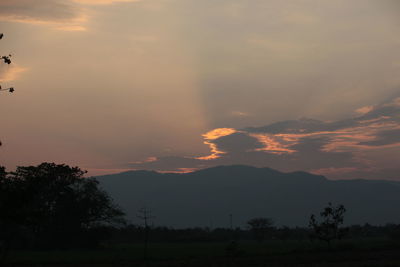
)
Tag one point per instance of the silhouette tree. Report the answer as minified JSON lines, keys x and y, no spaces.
{"x":260,"y":227}
{"x":54,"y":204}
{"x":6,"y":60}
{"x":329,"y":227}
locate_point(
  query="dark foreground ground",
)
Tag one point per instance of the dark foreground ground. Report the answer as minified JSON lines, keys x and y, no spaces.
{"x":368,"y":252}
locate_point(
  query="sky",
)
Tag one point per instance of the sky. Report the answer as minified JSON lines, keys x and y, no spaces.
{"x":179,"y":85}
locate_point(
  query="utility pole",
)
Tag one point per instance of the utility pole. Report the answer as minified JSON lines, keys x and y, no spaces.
{"x":145,"y":215}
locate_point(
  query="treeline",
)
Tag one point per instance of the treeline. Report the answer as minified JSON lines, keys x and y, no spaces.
{"x":135,"y":233}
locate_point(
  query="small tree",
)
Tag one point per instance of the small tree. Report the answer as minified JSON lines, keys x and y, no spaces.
{"x":260,"y":227}
{"x":328,"y":228}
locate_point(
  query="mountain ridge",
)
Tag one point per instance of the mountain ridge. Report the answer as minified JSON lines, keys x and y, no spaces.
{"x":206,"y":197}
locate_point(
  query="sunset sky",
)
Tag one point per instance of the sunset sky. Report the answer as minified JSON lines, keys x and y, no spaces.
{"x":178,"y":85}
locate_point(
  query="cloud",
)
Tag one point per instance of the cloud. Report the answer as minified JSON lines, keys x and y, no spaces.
{"x":103,"y":2}
{"x":274,"y":144}
{"x":171,"y":163}
{"x":65,"y":15}
{"x":71,"y":28}
{"x":239,"y":114}
{"x":328,"y":57}
{"x":10,"y":73}
{"x":37,"y":11}
{"x":100,"y":172}
{"x":364,"y":110}
{"x":60,"y":14}
{"x":339,"y":149}
{"x":384,"y":137}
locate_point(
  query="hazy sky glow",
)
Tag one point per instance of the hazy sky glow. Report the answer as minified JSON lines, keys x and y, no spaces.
{"x":111,"y":85}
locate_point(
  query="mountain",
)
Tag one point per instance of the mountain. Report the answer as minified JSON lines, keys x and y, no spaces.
{"x":207,"y":197}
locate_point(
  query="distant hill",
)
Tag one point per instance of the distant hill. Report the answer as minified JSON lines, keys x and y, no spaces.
{"x":207,"y":197}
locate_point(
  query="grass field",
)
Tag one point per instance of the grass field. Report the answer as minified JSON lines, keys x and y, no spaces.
{"x":368,"y":252}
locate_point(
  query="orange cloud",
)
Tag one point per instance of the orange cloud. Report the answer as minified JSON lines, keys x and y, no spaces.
{"x":219,"y":132}
{"x":274,"y":145}
{"x":351,"y":139}
{"x":215,"y":153}
{"x":213,"y":135}
{"x":72,"y":28}
{"x":374,"y":120}
{"x":10,"y":73}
